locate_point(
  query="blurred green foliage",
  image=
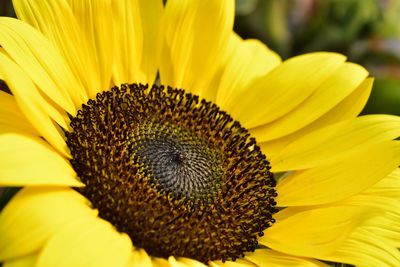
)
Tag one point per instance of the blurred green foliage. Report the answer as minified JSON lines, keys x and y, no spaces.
{"x":387,"y":91}
{"x":6,"y":8}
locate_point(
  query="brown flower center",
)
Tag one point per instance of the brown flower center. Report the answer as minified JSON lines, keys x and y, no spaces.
{"x":176,"y":174}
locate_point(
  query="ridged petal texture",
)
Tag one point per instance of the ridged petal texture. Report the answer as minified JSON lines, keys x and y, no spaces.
{"x":138,"y":46}
{"x":338,"y":182}
{"x":73,"y":30}
{"x":196,"y":35}
{"x":41,"y":61}
{"x":38,"y":111}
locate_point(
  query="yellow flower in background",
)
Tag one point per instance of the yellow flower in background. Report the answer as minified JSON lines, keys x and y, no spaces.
{"x":118,"y":173}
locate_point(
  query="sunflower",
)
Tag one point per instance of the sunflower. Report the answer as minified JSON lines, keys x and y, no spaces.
{"x":152,"y":135}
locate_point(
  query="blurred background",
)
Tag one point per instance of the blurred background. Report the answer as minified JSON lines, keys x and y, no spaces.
{"x":366,"y":31}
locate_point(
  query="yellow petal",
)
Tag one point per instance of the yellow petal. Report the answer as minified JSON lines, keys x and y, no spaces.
{"x":139,"y":258}
{"x":314,"y":232}
{"x":160,"y":262}
{"x":53,"y":109}
{"x":41,"y":62}
{"x":31,"y":103}
{"x":386,"y":222}
{"x":364,"y":248}
{"x":11,"y":115}
{"x":283,"y":88}
{"x":86,"y":241}
{"x":387,"y":187}
{"x":250,"y":59}
{"x":383,"y":203}
{"x":34,"y":214}
{"x":331,"y":92}
{"x":93,"y":18}
{"x":196,"y":34}
{"x":129,"y":42}
{"x":349,"y":108}
{"x":236,"y":263}
{"x":138,"y":44}
{"x":56,"y":21}
{"x":184,"y":262}
{"x":387,"y":226}
{"x":269,"y":257}
{"x":384,"y":197}
{"x":151,"y":18}
{"x":27,"y":261}
{"x":28,"y":160}
{"x":340,"y":179}
{"x":336,"y":141}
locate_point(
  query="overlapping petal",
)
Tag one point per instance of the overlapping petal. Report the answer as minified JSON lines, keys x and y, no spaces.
{"x":247,"y":60}
{"x":263,"y":257}
{"x":160,"y":262}
{"x":34,"y":215}
{"x":364,"y":248}
{"x":279,"y":91}
{"x":384,"y":198}
{"x":349,"y":108}
{"x":196,"y":34}
{"x":88,"y":241}
{"x":139,"y":257}
{"x":138,"y":40}
{"x":331,"y":92}
{"x":23,"y":159}
{"x":236,"y":263}
{"x":26,"y":261}
{"x":339,"y":179}
{"x":387,"y":187}
{"x":183,"y":262}
{"x":11,"y":117}
{"x":97,"y":33}
{"x":81,"y":34}
{"x":312,"y":232}
{"x":336,"y":141}
{"x":42,"y":63}
{"x":38,"y":111}
{"x":387,"y":227}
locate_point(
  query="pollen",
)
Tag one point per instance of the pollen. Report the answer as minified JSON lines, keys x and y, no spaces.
{"x":173,"y":171}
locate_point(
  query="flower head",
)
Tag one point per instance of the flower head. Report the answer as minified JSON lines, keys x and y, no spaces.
{"x":227,"y":157}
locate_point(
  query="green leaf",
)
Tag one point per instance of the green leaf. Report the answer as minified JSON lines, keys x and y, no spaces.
{"x":385,"y":97}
